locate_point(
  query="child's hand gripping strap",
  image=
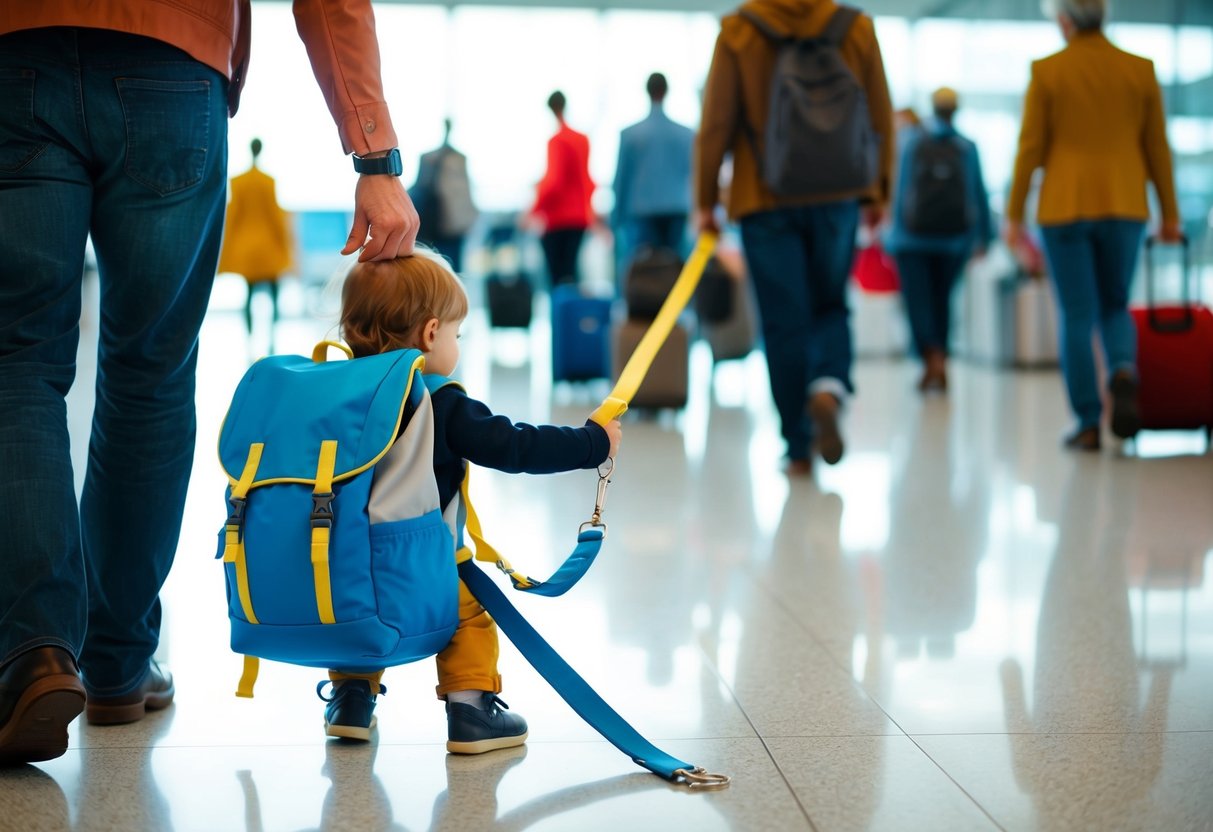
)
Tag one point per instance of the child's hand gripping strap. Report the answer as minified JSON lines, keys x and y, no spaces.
{"x":614,"y":405}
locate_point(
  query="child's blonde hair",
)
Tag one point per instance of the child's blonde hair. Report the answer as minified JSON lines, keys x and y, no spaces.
{"x":385,"y":304}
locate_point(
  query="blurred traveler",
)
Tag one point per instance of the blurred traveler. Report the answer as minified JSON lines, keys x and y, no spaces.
{"x":797,"y":194}
{"x":562,"y":202}
{"x":653,"y":178}
{"x":1093,"y":119}
{"x":145,"y":175}
{"x":443,"y":197}
{"x":256,"y":237}
{"x":940,"y":216}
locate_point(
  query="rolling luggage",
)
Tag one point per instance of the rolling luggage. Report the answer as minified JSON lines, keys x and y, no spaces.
{"x":736,"y":336}
{"x":666,"y":383}
{"x":580,"y":333}
{"x":650,"y":277}
{"x":1174,"y":356}
{"x":509,"y":290}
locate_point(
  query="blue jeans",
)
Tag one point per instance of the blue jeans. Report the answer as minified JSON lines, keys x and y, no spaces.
{"x":799,"y":259}
{"x":1092,"y":263}
{"x":927,"y":281}
{"x":123,"y":138}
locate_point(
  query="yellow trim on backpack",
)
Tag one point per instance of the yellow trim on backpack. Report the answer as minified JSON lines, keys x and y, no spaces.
{"x":321,"y":350}
{"x":616,"y":403}
{"x":418,"y":364}
{"x":320,"y":534}
{"x":233,"y":549}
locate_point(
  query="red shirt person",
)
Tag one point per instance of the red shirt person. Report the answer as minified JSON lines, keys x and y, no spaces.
{"x":562,"y":201}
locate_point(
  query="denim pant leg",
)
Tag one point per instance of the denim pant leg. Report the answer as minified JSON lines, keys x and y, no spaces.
{"x":799,"y":259}
{"x":158,"y":126}
{"x":914,"y":270}
{"x":948,"y":267}
{"x":1070,"y":250}
{"x":1117,"y":243}
{"x":45,"y":197}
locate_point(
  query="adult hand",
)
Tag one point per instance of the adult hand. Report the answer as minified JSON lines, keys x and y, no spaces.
{"x":385,"y":221}
{"x":1013,"y":234}
{"x":614,"y":432}
{"x":872,"y":213}
{"x":1170,"y":231}
{"x":705,"y":221}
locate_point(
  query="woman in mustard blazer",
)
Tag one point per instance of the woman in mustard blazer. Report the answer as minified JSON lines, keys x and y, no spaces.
{"x":1093,"y":119}
{"x":257,"y":239}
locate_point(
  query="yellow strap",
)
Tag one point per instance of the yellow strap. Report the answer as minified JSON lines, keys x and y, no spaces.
{"x":484,"y":551}
{"x":320,"y":535}
{"x":233,"y":549}
{"x":320,"y":353}
{"x":248,"y":678}
{"x":615,"y":404}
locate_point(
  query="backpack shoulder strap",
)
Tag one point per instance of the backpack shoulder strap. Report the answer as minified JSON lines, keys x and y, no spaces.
{"x":764,"y":27}
{"x":840,"y":23}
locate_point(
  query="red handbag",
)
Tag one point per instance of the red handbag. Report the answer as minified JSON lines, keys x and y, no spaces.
{"x":875,"y":271}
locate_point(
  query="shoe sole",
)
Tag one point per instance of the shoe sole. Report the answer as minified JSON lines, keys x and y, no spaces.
{"x":1126,"y":417}
{"x":351,"y":732}
{"x":98,"y":713}
{"x":483,"y":746}
{"x":829,"y":438}
{"x":37,"y":729}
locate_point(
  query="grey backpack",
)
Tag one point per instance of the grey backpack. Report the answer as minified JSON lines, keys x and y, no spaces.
{"x":818,"y":137}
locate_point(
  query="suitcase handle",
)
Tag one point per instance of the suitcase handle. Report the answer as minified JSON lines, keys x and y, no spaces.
{"x":1188,"y":320}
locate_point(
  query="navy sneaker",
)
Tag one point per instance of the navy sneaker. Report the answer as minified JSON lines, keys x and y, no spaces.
{"x":471,"y":730}
{"x":351,"y":710}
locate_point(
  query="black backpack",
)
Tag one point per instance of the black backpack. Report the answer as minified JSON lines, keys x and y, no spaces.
{"x":937,"y":202}
{"x":818,"y":137}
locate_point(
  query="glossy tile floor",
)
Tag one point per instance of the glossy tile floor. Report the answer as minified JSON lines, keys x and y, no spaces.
{"x":959,"y":627}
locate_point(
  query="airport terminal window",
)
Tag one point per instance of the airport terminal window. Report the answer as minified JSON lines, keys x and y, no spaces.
{"x":492,"y":68}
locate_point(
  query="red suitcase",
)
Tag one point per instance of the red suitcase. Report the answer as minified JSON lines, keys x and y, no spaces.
{"x":1174,"y":357}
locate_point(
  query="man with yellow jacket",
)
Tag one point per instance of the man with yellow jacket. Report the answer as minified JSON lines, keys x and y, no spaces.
{"x":1093,"y":119}
{"x":798,"y":244}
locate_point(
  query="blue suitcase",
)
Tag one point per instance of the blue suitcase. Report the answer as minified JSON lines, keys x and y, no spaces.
{"x":581,"y":328}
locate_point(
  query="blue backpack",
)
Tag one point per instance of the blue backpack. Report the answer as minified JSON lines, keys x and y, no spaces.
{"x":337,"y":552}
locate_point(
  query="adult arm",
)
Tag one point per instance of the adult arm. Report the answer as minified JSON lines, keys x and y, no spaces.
{"x":983,"y":227}
{"x":717,"y":126}
{"x":1158,"y":160}
{"x":344,"y":52}
{"x":1033,"y":141}
{"x":880,"y":111}
{"x":553,"y":176}
{"x":472,"y":432}
{"x":622,"y":175}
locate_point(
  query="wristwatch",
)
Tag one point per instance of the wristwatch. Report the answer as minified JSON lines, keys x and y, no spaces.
{"x":385,"y":164}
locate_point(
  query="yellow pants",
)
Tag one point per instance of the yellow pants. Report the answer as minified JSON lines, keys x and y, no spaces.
{"x":468,"y":662}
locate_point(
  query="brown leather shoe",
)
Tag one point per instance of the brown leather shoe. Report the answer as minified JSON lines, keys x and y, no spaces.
{"x":823,"y":410}
{"x":40,"y":694}
{"x":798,"y":468}
{"x":1086,"y":439}
{"x":156,"y":692}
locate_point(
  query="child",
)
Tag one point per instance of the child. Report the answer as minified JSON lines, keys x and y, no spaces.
{"x":418,"y":302}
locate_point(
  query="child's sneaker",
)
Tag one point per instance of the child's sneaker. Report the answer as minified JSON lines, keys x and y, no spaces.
{"x":473,"y":730}
{"x":351,"y":710}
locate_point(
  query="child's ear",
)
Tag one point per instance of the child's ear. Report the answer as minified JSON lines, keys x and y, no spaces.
{"x":429,"y":334}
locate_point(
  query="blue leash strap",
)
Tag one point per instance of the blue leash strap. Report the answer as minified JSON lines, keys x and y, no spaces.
{"x":589,"y":544}
{"x":577,"y":692}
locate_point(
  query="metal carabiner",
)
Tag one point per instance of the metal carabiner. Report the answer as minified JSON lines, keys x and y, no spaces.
{"x":604,"y":479}
{"x":702,"y":780}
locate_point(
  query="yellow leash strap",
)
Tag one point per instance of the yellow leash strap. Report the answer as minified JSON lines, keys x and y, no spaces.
{"x":248,"y":678}
{"x":484,"y":551}
{"x":322,"y":527}
{"x":615,"y":404}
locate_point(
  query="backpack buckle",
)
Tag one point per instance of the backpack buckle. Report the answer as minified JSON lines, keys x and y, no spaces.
{"x":322,"y":509}
{"x":236,"y":518}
